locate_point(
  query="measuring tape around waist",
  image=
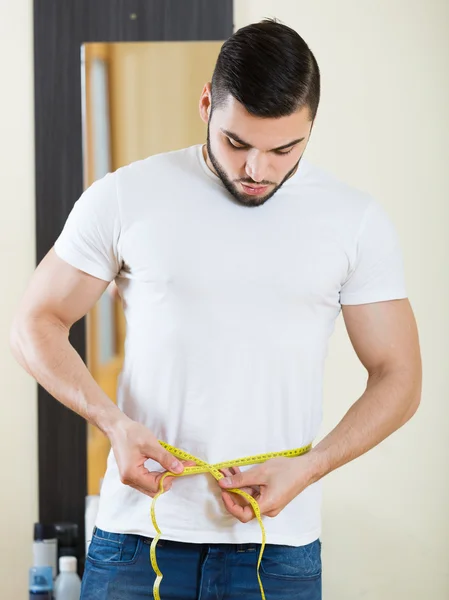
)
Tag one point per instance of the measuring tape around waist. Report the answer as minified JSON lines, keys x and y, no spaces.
{"x":214,"y":470}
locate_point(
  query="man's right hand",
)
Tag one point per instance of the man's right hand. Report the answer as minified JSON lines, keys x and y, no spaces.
{"x":133,"y":444}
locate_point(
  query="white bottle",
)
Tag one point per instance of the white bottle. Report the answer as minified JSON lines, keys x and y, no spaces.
{"x":68,"y":584}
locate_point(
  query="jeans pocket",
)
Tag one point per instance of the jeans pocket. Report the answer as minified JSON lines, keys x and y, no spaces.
{"x":296,"y":563}
{"x":114,"y":549}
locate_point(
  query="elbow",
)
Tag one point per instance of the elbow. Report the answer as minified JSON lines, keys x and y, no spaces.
{"x":409,"y":387}
{"x":405,"y":385}
{"x":14,"y":337}
{"x":414,"y":402}
{"x":18,"y":335}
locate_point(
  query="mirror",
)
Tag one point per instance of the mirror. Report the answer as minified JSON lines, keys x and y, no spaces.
{"x":138,"y":99}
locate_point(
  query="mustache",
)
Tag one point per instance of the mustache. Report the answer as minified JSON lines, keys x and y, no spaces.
{"x":257,"y":183}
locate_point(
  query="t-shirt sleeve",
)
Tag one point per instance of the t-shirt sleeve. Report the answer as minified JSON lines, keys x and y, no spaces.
{"x":377,"y":272}
{"x":89,"y":239}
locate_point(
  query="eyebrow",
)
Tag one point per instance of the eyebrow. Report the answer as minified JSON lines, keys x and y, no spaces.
{"x":236,"y":138}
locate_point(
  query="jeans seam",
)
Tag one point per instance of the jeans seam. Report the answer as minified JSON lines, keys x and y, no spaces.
{"x":105,"y":539}
{"x":118,"y":563}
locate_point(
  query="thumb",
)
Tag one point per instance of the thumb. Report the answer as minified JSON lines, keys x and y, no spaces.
{"x":168,"y":461}
{"x":253,"y":476}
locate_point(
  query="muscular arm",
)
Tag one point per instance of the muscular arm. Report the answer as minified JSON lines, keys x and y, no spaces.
{"x":385,"y":338}
{"x":57,"y":297}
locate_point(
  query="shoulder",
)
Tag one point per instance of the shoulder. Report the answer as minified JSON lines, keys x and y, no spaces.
{"x":336,"y":207}
{"x":334,"y":194}
{"x":158,"y":166}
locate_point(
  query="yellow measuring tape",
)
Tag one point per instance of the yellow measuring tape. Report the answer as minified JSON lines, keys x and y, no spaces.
{"x":214,"y":470}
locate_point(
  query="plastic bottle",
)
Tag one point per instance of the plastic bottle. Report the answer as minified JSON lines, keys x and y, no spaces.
{"x":41,"y":583}
{"x":68,"y":584}
{"x":45,"y":547}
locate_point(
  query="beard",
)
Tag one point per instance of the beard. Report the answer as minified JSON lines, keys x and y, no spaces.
{"x":231,"y":185}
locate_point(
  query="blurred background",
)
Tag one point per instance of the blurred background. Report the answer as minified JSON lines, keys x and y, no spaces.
{"x":382,"y":126}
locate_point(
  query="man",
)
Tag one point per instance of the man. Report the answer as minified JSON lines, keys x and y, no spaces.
{"x":233,"y":261}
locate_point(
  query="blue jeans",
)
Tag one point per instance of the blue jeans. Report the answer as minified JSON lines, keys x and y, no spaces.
{"x":118,"y":568}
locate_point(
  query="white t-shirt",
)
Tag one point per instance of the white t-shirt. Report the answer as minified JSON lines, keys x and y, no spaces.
{"x":228,"y":310}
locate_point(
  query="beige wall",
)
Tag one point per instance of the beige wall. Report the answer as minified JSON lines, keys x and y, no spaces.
{"x":383,"y":126}
{"x":18,"y":444}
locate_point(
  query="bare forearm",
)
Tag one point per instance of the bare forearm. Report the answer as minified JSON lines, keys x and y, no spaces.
{"x":388,"y":403}
{"x":43,"y":349}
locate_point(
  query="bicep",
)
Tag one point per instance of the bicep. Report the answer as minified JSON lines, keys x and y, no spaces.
{"x":384,"y":335}
{"x":61,"y":292}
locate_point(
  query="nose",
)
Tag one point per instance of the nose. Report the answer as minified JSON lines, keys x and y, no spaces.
{"x":256,"y":165}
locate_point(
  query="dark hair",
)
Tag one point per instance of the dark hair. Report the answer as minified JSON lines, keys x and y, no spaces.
{"x":268,"y":68}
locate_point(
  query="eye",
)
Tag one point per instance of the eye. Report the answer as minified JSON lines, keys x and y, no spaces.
{"x":283,"y":152}
{"x":235,"y":145}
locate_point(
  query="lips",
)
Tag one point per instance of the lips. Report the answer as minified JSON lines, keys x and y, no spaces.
{"x":254,"y":190}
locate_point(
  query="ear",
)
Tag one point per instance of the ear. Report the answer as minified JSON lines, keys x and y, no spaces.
{"x":205,"y":105}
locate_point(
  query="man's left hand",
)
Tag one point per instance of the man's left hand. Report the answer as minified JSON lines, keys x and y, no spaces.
{"x":273,"y":484}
